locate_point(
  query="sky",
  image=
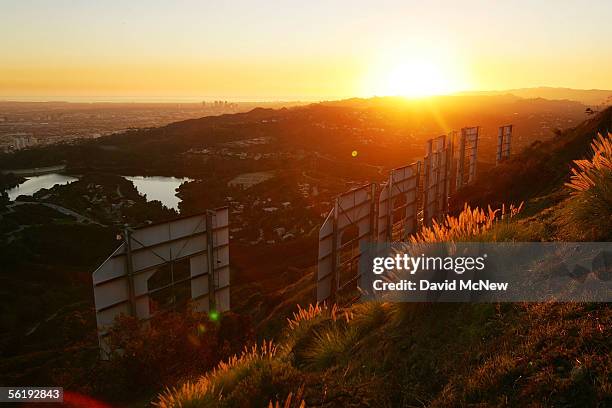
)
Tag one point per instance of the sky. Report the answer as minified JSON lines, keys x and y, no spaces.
{"x":298,"y":50}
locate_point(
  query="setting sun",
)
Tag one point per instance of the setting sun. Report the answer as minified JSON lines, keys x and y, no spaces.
{"x":415,"y":79}
{"x":415,"y":71}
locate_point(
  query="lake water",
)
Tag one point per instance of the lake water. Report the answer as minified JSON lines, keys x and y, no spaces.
{"x":155,"y":188}
{"x":159,"y":188}
{"x":36,"y":183}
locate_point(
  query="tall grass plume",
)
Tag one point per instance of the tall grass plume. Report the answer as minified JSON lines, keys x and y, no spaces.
{"x":470,"y":223}
{"x":588,"y":215}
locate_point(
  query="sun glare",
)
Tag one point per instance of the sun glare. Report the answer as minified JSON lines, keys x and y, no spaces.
{"x":415,"y":79}
{"x":415,"y":71}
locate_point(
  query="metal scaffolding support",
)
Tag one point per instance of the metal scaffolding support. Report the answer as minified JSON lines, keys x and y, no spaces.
{"x":348,"y":225}
{"x":504,"y":143}
{"x":359,"y":216}
{"x":397,"y":204}
{"x":437,"y":164}
{"x":162,"y":266}
{"x":467,"y":156}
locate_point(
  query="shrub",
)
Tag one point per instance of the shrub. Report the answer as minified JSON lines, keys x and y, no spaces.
{"x":588,"y":215}
{"x":594,"y":173}
{"x":171,"y":347}
{"x":329,"y":346}
{"x":248,"y":379}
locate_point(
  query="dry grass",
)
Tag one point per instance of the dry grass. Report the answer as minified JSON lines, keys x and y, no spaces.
{"x":313,"y":311}
{"x":328,"y":347}
{"x":468,"y":224}
{"x":292,"y":401}
{"x":588,"y":173}
{"x":306,"y":314}
{"x":550,"y":355}
{"x":587,"y":215}
{"x":207,"y":390}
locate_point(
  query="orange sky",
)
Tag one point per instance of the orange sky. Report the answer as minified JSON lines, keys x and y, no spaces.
{"x":292,"y":50}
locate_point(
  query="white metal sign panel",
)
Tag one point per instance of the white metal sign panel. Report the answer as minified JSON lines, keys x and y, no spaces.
{"x":162,"y":266}
{"x":504,"y":142}
{"x":349,"y":224}
{"x":435,"y":180}
{"x":397,"y":204}
{"x":468,"y":155}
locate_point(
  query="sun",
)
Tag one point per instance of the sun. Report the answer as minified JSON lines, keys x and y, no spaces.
{"x":415,"y":78}
{"x":415,"y":71}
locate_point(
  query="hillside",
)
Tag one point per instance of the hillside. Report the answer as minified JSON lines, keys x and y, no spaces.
{"x":586,"y":96}
{"x":448,"y":355}
{"x":440,"y":355}
{"x":538,"y":171}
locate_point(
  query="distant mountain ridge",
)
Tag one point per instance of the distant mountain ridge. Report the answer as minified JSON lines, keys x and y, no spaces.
{"x":586,"y":96}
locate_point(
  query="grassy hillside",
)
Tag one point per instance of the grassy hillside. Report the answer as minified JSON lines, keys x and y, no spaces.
{"x":417,"y":354}
{"x":448,"y":355}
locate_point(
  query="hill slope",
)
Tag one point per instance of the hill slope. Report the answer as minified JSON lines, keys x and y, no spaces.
{"x":538,"y":170}
{"x":586,"y":96}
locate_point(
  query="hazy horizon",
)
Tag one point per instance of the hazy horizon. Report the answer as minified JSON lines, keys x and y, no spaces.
{"x":197,"y":99}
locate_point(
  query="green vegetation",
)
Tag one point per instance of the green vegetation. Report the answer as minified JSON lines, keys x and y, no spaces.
{"x":419,"y":354}
{"x":591,"y":199}
{"x":173,"y":346}
{"x":9,"y":180}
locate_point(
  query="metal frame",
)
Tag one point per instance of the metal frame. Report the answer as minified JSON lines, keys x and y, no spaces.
{"x":504,"y":142}
{"x":453,"y":170}
{"x":120,"y":284}
{"x":352,"y":209}
{"x":468,"y":156}
{"x":443,"y":174}
{"x":403,"y":183}
{"x":437,"y":163}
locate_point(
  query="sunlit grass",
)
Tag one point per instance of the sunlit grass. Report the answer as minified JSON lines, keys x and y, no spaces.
{"x":588,"y":214}
{"x":589,"y":173}
{"x":304,"y":315}
{"x":208,"y":390}
{"x":470,"y":223}
{"x":292,"y":400}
